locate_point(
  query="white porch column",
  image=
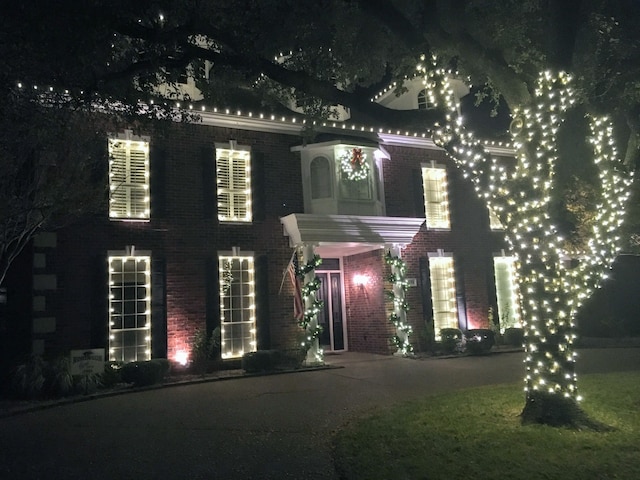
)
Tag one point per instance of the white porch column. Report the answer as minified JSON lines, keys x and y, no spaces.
{"x":314,"y":354}
{"x":395,"y":250}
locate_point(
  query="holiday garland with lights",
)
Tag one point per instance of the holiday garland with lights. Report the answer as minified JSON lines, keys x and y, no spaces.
{"x":551,"y":293}
{"x":398,"y":316}
{"x":313,"y":306}
{"x":353,"y":164}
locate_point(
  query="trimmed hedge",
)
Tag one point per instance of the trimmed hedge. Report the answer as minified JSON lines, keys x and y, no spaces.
{"x":261,"y":361}
{"x":479,"y":340}
{"x":145,"y":373}
{"x":513,"y":336}
{"x":450,"y":339}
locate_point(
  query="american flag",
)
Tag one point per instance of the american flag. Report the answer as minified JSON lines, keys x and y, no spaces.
{"x":298,"y":306}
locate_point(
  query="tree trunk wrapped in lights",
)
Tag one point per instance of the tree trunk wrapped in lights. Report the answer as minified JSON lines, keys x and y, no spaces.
{"x":551,"y":291}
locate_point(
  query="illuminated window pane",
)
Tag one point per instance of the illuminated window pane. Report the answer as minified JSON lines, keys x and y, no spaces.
{"x":435,"y":197}
{"x":507,"y":292}
{"x":494,"y":221}
{"x":128,"y":178}
{"x":237,"y":306}
{"x":129,"y":308}
{"x":233,"y":172}
{"x":443,"y":294}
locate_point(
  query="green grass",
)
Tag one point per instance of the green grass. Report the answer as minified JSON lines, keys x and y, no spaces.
{"x":476,"y":434}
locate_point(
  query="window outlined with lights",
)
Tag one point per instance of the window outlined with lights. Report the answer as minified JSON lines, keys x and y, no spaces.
{"x":129,"y":307}
{"x":128,"y":177}
{"x":237,"y":305}
{"x":507,"y":292}
{"x":233,"y":178}
{"x":443,"y":292}
{"x":436,"y":197}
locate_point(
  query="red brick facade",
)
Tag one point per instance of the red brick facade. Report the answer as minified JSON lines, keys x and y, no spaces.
{"x":185,"y":236}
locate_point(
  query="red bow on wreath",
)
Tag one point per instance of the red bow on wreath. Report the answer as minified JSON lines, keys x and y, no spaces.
{"x":356,"y":157}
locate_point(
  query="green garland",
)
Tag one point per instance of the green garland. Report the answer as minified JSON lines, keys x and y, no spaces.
{"x":399,"y":304}
{"x":310,"y":313}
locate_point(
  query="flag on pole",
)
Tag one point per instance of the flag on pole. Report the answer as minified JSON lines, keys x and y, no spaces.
{"x":298,"y":304}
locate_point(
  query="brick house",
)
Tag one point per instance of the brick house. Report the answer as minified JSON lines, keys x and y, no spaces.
{"x":203,"y":221}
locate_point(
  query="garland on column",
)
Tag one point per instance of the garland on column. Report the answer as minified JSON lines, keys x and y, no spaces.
{"x":309,"y":314}
{"x":399,"y":287}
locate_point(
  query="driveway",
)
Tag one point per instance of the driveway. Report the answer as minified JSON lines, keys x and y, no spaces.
{"x":272,"y":427}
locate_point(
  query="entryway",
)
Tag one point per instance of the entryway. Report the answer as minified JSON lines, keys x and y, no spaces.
{"x":331,"y":317}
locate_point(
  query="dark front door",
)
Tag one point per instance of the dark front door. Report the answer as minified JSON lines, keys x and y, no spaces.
{"x":330,"y":317}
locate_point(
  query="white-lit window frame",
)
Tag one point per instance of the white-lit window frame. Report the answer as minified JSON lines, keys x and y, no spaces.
{"x":227,"y":350}
{"x":444,"y":222}
{"x":448,"y":295}
{"x":513,"y":299}
{"x":227,"y":152}
{"x":135,"y":257}
{"x":131,"y":141}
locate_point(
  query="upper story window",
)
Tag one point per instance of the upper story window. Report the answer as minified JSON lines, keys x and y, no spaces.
{"x":233,"y":173}
{"x":425,"y":100}
{"x":128,"y":177}
{"x":320,"y":171}
{"x":434,"y":178}
{"x":494,"y":220}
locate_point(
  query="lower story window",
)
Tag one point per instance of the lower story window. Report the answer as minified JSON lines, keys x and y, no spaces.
{"x":129,"y":308}
{"x":507,"y":292}
{"x":237,"y":305}
{"x":443,"y":293}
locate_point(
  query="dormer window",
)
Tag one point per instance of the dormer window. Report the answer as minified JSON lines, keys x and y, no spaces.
{"x":320,"y":175}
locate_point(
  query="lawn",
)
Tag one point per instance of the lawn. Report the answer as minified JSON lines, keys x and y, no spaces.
{"x":476,"y":434}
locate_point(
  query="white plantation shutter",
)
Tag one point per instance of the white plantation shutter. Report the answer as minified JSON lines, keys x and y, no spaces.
{"x":233,"y":171}
{"x":128,"y":179}
{"x":435,"y":197}
{"x":443,"y":293}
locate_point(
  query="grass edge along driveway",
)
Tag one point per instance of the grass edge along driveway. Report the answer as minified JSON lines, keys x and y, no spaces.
{"x":476,"y":433}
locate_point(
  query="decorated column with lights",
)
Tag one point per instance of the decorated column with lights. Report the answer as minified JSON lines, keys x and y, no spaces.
{"x":398,"y":316}
{"x":312,"y":306}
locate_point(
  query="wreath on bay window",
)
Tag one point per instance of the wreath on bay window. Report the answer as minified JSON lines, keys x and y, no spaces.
{"x":353,"y":164}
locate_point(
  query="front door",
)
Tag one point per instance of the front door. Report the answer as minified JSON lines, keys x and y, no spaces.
{"x":330,"y":317}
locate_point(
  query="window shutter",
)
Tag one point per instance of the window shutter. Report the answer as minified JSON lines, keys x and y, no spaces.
{"x":425,"y":292}
{"x":99,"y":306}
{"x":212,"y":294}
{"x":461,"y":297}
{"x":158,"y":308}
{"x":208,"y":159}
{"x":417,"y":189}
{"x":263,"y":326}
{"x":258,"y":186}
{"x":157,"y":181}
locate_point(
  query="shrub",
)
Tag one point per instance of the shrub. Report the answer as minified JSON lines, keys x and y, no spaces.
{"x":450,"y":339}
{"x":58,"y":379}
{"x":27,"y":380}
{"x":205,"y":350}
{"x":145,"y":373}
{"x":479,"y":340}
{"x":112,"y":374}
{"x":260,"y":361}
{"x":513,"y":336}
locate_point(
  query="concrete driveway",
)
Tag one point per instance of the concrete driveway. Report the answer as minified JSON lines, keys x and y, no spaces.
{"x":273,"y":427}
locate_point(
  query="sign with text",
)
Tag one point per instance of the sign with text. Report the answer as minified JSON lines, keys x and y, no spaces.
{"x":87,"y":361}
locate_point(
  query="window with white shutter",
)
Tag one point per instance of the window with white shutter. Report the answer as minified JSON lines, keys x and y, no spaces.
{"x":233,"y":172}
{"x":507,"y":294}
{"x":128,"y":177}
{"x":443,"y":293}
{"x":434,"y":179}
